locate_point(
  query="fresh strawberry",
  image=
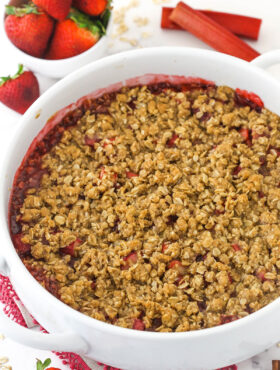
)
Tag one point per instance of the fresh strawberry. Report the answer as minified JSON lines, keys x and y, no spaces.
{"x":19,"y":91}
{"x":56,"y":8}
{"x":91,"y":7}
{"x":73,"y":36}
{"x":28,"y":29}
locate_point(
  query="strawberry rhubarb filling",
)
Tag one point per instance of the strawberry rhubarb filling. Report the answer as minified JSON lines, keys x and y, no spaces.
{"x":155,"y":207}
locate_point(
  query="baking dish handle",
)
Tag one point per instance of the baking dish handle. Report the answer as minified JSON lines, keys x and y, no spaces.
{"x":267,"y":59}
{"x":61,"y":342}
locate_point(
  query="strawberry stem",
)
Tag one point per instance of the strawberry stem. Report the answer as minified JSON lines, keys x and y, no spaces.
{"x":84,"y":21}
{"x":7,"y":78}
{"x":24,"y":10}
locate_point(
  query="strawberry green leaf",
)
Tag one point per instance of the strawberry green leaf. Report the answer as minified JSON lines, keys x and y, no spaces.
{"x":84,"y":21}
{"x":105,"y":18}
{"x":43,"y":366}
{"x":22,"y":11}
{"x":7,"y":78}
{"x":46,"y":363}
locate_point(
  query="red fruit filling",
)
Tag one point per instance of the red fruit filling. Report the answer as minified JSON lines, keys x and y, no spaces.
{"x":245,"y":98}
{"x":130,"y":174}
{"x":130,"y":260}
{"x":171,"y":142}
{"x":236,"y":247}
{"x":228,"y":318}
{"x":70,"y":249}
{"x":138,"y":324}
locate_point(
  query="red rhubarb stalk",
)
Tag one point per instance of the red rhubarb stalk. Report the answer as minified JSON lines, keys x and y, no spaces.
{"x":241,"y":25}
{"x":211,"y":32}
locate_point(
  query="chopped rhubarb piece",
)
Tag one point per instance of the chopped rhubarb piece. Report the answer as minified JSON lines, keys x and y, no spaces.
{"x":244,"y":132}
{"x":164,"y":247}
{"x":93,"y":285}
{"x":260,"y":275}
{"x":239,"y":24}
{"x":111,"y":140}
{"x":130,"y":174}
{"x":102,"y":173}
{"x":236,"y":247}
{"x":175,"y":264}
{"x":171,"y":142}
{"x":205,"y":117}
{"x":230,"y":278}
{"x":91,"y":142}
{"x":138,"y":324}
{"x":70,"y":249}
{"x":22,"y":248}
{"x":261,"y":194}
{"x":236,"y":171}
{"x":262,"y":160}
{"x":130,"y":260}
{"x":218,"y":212}
{"x":246,"y":98}
{"x":228,"y":318}
{"x":211,"y":32}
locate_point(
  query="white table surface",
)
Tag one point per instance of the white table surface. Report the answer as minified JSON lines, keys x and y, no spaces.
{"x":24,"y":358}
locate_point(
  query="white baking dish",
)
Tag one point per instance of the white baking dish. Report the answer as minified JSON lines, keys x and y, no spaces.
{"x":75,"y":332}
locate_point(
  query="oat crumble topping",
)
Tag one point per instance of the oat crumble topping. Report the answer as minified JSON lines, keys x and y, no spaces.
{"x":159,"y":211}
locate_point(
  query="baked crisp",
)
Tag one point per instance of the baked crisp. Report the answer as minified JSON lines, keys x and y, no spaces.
{"x":156,"y":208}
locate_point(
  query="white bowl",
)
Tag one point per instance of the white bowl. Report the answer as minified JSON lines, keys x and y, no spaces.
{"x":55,"y":68}
{"x":72,"y":331}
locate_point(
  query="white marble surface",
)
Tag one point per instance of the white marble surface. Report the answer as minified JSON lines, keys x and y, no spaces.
{"x":22,"y":357}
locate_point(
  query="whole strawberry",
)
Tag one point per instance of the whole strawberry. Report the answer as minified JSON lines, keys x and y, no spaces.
{"x":73,"y":36}
{"x":58,"y":9}
{"x":19,"y":91}
{"x":91,"y":7}
{"x":29,"y":29}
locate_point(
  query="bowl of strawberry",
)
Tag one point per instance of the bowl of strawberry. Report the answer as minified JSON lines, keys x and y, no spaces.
{"x":56,"y":37}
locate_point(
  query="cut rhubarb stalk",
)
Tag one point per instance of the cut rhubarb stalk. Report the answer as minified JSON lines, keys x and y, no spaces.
{"x":238,"y":24}
{"x":211,"y":32}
